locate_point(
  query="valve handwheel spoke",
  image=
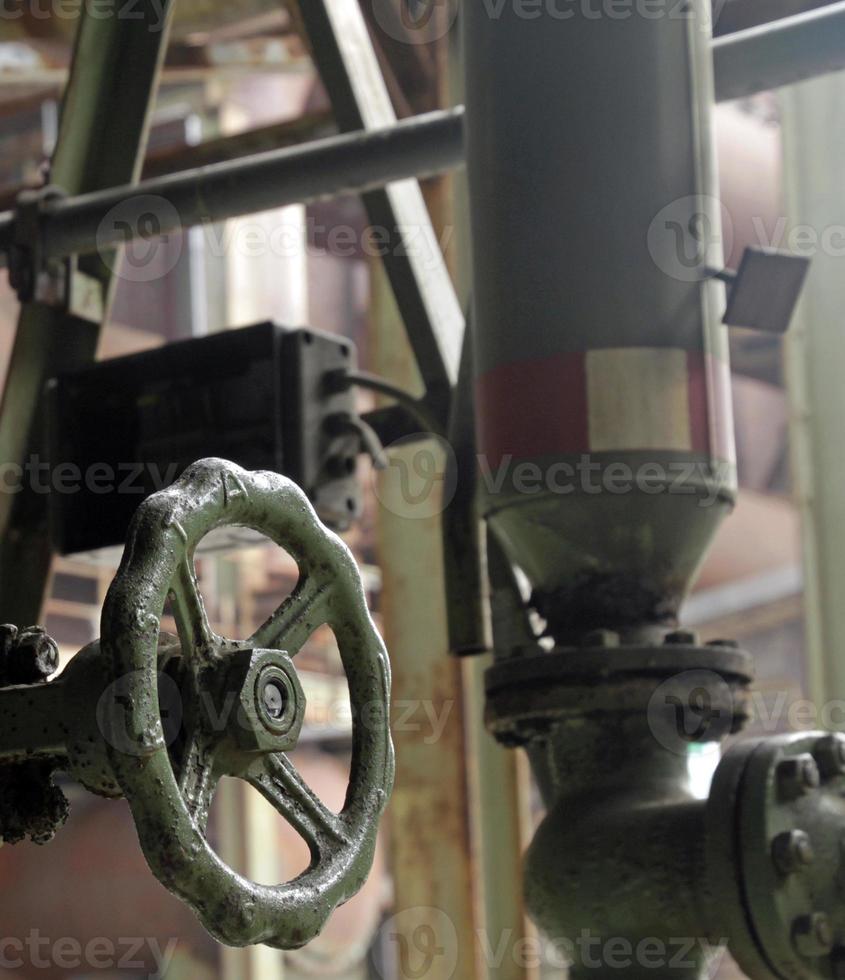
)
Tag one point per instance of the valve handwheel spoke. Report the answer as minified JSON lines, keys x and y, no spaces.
{"x":195,"y":634}
{"x":243,"y":704}
{"x":197,"y":781}
{"x":279,"y":782}
{"x":296,"y":618}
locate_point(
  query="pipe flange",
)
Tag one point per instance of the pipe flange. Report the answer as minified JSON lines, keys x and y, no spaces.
{"x":775,"y":822}
{"x":528,"y":694}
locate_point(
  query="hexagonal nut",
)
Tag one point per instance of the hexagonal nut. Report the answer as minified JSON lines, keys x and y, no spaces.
{"x":34,"y":657}
{"x":791,"y":851}
{"x":812,"y":934}
{"x":270,"y":706}
{"x":797,"y":775}
{"x":829,"y":753}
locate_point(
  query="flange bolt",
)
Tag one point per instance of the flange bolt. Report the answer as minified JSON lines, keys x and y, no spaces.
{"x":812,"y":934}
{"x":791,"y":851}
{"x":797,"y":776}
{"x":829,"y":753}
{"x":34,"y":657}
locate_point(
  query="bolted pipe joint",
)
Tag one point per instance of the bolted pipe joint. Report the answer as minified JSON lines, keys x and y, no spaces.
{"x":613,"y":875}
{"x":629,"y":873}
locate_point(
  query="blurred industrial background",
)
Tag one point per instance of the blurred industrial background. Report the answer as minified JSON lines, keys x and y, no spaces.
{"x":239,"y":78}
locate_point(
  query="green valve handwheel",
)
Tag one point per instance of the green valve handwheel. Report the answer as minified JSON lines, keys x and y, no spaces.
{"x":242,"y":705}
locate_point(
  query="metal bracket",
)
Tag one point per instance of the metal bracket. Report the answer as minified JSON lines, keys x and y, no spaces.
{"x":56,"y":282}
{"x":764,"y":291}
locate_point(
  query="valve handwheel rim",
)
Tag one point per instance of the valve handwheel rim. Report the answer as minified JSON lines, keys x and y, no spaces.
{"x":170,"y":804}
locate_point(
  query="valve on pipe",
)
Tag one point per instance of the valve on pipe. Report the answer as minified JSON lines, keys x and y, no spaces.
{"x":607,"y":463}
{"x":160,"y":719}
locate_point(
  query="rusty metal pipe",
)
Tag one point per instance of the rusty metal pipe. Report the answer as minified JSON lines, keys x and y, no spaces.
{"x":419,"y":147}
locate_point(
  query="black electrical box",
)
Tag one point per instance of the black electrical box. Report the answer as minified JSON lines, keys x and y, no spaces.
{"x":259,"y":396}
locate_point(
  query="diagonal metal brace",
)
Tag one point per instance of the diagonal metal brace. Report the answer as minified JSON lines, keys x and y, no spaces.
{"x":413,"y":259}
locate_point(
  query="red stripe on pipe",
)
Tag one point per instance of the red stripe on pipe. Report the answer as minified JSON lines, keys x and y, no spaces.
{"x":533,"y":408}
{"x":699,"y":412}
{"x":540,"y":407}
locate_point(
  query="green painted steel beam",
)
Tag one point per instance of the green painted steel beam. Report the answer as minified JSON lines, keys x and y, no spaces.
{"x":780,"y":53}
{"x":814,"y":161}
{"x":102,"y":136}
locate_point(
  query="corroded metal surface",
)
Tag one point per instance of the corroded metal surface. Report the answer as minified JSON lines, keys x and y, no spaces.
{"x":30,"y":804}
{"x":170,"y":790}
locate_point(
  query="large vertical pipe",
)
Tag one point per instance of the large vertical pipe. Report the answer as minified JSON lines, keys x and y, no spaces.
{"x":602,"y":376}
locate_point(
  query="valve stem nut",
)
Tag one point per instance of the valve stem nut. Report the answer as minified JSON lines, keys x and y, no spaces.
{"x":791,"y":851}
{"x":812,"y":934}
{"x":829,"y":753}
{"x":797,"y":775}
{"x":34,"y":657}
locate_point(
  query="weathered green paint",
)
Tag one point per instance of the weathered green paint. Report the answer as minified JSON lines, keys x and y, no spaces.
{"x":814,"y":158}
{"x":158,"y":561}
{"x":101,"y":141}
{"x":102,"y":719}
{"x":652,"y":882}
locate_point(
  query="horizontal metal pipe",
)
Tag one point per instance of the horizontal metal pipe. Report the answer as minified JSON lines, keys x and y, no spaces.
{"x":745,"y":62}
{"x":422,"y":146}
{"x":780,"y":53}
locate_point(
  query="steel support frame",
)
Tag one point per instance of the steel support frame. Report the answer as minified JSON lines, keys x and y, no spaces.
{"x":101,"y":143}
{"x":779,"y":53}
{"x":433,"y":850}
{"x":425,"y":145}
{"x":813,"y":117}
{"x":425,"y":296}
